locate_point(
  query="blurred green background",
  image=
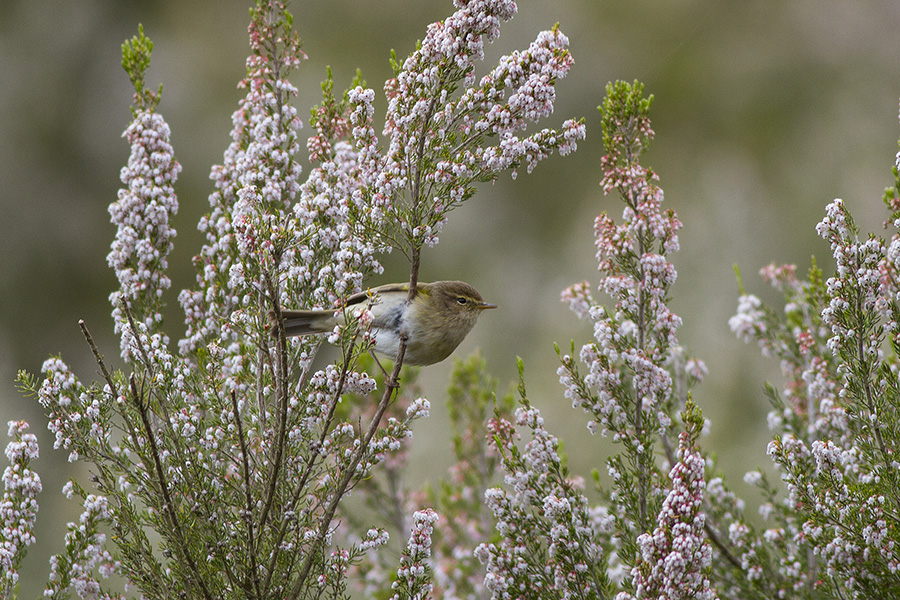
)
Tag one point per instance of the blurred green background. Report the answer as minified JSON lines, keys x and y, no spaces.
{"x":765,"y":110}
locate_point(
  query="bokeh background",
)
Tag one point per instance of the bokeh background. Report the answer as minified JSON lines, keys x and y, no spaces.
{"x":764,"y":111}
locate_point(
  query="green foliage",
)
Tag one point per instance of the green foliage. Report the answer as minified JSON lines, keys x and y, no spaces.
{"x":136,"y":60}
{"x":625,"y":118}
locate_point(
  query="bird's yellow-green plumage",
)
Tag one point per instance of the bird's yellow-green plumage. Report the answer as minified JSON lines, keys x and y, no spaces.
{"x":435,"y":322}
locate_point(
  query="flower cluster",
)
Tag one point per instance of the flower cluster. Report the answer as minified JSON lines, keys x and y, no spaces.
{"x":414,"y":575}
{"x":676,"y":557}
{"x":249,"y":234}
{"x":436,"y":140}
{"x":141,"y":214}
{"x":632,"y":343}
{"x":334,"y":255}
{"x":835,"y":424}
{"x":637,"y":375}
{"x":471,"y":399}
{"x":549,"y":540}
{"x":72,"y":414}
{"x":18,"y":506}
{"x":85,"y":553}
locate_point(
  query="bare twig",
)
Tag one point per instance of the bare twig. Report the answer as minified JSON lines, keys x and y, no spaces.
{"x":310,"y":462}
{"x":107,"y":377}
{"x":134,"y":332}
{"x":248,"y":496}
{"x":99,"y":357}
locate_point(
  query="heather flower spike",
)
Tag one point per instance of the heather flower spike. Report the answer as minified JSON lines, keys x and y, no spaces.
{"x":675,"y":558}
{"x":413,"y":576}
{"x":440,"y":121}
{"x":637,"y":375}
{"x":550,"y":539}
{"x":143,"y":210}
{"x":18,"y":505}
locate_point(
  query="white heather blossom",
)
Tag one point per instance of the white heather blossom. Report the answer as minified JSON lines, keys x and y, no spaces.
{"x":413,"y":575}
{"x":85,"y":552}
{"x":422,"y":114}
{"x":18,"y":505}
{"x":539,"y":508}
{"x":748,"y":322}
{"x":141,"y":214}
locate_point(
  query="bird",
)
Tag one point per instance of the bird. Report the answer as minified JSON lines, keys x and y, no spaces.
{"x":435,"y":321}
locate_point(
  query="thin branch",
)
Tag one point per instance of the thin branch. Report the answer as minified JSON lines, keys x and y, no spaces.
{"x":390,"y":387}
{"x":134,"y":333}
{"x":261,"y":353}
{"x":98,"y":357}
{"x":109,"y":381}
{"x":136,"y":338}
{"x":248,"y":509}
{"x":281,"y":399}
{"x":169,"y":506}
{"x":310,"y":462}
{"x":641,"y":339}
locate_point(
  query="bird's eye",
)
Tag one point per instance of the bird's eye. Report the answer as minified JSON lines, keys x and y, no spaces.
{"x":461,"y":300}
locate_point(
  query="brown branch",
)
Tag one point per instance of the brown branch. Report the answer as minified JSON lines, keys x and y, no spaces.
{"x":261,"y":353}
{"x":390,"y":387}
{"x":310,"y":461}
{"x":134,"y":333}
{"x":638,"y":403}
{"x":248,"y":510}
{"x":98,"y":357}
{"x":281,"y":399}
{"x":109,"y":381}
{"x":168,"y":507}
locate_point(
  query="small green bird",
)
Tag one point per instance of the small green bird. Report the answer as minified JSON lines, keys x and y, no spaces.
{"x":437,"y":320}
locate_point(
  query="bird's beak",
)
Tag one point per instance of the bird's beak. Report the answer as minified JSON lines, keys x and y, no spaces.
{"x":484,"y":305}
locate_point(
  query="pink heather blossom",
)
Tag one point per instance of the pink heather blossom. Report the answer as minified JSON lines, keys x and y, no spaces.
{"x":780,"y":276}
{"x":538,"y":508}
{"x":676,"y":557}
{"x":634,"y":339}
{"x":424,"y":120}
{"x":578,"y":296}
{"x":256,"y":184}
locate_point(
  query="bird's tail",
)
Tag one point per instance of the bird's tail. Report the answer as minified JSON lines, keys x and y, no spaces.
{"x":305,"y":322}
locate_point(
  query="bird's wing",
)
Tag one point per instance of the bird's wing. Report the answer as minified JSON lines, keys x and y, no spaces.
{"x":387,"y":312}
{"x":360,"y":297}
